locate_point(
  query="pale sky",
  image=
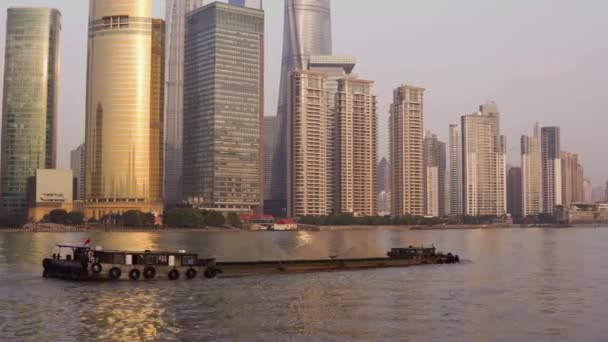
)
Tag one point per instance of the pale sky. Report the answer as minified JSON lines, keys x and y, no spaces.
{"x":540,"y":60}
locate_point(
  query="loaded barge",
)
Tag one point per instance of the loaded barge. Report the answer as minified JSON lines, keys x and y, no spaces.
{"x":87,"y":264}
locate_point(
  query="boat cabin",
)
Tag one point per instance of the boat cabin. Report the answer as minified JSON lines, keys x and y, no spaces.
{"x":411,"y":252}
{"x":149,"y":258}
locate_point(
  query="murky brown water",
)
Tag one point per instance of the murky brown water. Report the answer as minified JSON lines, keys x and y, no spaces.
{"x":520,"y":285}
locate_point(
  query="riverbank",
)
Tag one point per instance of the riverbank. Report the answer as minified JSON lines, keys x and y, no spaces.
{"x":55,"y":228}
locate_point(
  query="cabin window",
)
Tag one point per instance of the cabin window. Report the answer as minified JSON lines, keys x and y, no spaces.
{"x":119,"y":259}
{"x":140,"y":259}
{"x":151,"y":259}
{"x":187,"y":260}
{"x":105,"y":258}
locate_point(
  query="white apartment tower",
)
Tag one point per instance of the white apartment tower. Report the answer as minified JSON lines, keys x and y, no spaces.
{"x":406,"y":134}
{"x":531,"y":169}
{"x":356,"y":147}
{"x":484,"y":162}
{"x":308,"y":154}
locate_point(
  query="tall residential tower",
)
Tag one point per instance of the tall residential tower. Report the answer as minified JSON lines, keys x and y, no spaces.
{"x":306,"y":31}
{"x":456,"y":195}
{"x":124,"y":121}
{"x":531,"y":173}
{"x":29,"y":110}
{"x":434,"y":175}
{"x":406,"y":134}
{"x":484,"y":162}
{"x":551,"y":168}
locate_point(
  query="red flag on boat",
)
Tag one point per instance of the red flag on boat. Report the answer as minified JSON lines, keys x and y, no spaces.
{"x":88,"y":241}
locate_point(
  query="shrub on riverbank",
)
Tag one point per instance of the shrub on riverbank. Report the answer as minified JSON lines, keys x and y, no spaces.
{"x":346,"y":219}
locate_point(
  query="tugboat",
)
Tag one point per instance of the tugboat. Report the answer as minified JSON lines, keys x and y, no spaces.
{"x":87,"y":264}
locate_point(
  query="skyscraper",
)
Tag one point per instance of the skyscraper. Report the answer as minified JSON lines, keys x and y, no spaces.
{"x":29,"y":111}
{"x":456,"y":195}
{"x":551,"y":166}
{"x":434,"y":175}
{"x":224,"y":108}
{"x":306,"y":31}
{"x":484,"y":162}
{"x":383,"y":174}
{"x":514,"y":192}
{"x":587,"y":191}
{"x":176,"y":11}
{"x":270,"y":123}
{"x":124,"y":123}
{"x":531,"y":162}
{"x":77,"y":164}
{"x":308,"y":156}
{"x":405,"y":132}
{"x":335,"y":69}
{"x":356,"y":147}
{"x":571,"y":181}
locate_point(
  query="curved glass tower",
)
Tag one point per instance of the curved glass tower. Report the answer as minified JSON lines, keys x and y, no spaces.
{"x":29,"y":115}
{"x":124,"y":124}
{"x":306,"y":32}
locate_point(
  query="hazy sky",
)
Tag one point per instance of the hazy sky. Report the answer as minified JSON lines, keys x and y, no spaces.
{"x":539,"y":60}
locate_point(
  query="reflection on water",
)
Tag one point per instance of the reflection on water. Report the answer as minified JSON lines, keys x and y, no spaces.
{"x":519,"y":284}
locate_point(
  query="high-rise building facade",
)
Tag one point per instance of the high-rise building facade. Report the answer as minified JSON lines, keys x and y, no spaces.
{"x":270,"y":123}
{"x":551,"y":168}
{"x":356,"y":147}
{"x":224,"y":108}
{"x":484,"y":162}
{"x":405,"y":145}
{"x":176,"y":11}
{"x":306,"y":31}
{"x":29,"y":111}
{"x":383,"y":175}
{"x":572,"y":182}
{"x":125,"y":101}
{"x":456,"y":194}
{"x":514,"y":192}
{"x":587,"y":191}
{"x":434,"y":156}
{"x":77,"y":164}
{"x":335,"y":68}
{"x":308,"y":157}
{"x":531,"y":162}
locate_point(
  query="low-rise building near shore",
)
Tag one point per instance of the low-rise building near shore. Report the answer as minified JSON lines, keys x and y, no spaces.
{"x":51,"y":189}
{"x":582,"y":213}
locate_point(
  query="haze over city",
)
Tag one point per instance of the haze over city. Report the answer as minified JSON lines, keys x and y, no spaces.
{"x":540,"y":61}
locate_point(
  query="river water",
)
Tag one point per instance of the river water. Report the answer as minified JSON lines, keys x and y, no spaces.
{"x":515,"y":285}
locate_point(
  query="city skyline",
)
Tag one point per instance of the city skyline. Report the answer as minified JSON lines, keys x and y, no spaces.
{"x":538,"y":68}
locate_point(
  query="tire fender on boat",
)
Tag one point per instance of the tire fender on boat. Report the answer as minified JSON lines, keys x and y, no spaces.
{"x":149,"y":272}
{"x":134,"y":274}
{"x":96,"y":268}
{"x":174,"y":274}
{"x":115,"y":273}
{"x":46,"y":262}
{"x":210,"y":273}
{"x":190,"y":273}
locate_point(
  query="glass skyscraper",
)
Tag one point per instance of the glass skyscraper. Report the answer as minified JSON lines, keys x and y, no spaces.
{"x":306,"y":31}
{"x":223,"y":108}
{"x":29,"y":115}
{"x":125,"y":100}
{"x":176,"y":11}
